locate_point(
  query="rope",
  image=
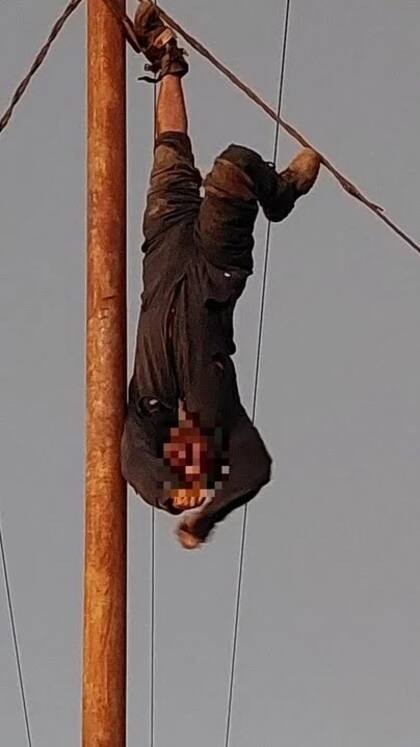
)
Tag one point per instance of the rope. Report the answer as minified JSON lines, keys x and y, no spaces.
{"x":130,"y":33}
{"x":126,"y":22}
{"x":39,"y":59}
{"x":256,"y":382}
{"x":14,"y":637}
{"x":345,"y":183}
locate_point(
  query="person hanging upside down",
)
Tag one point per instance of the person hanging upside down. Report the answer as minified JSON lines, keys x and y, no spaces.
{"x":188,"y":445}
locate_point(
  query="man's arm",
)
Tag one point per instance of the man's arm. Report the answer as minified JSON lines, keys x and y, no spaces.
{"x":171,"y":114}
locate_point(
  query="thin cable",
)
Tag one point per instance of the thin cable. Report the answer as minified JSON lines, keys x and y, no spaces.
{"x":153,"y":548}
{"x":39,"y":59}
{"x":268,"y":234}
{"x":14,"y":637}
{"x":256,"y":382}
{"x":152,"y":628}
{"x":345,"y":183}
{"x":130,"y":34}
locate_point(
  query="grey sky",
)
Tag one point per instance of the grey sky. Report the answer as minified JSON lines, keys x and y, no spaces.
{"x":329,"y":637}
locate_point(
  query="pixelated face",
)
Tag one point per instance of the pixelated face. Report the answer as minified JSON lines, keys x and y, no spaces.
{"x":187,"y":454}
{"x":187,"y":451}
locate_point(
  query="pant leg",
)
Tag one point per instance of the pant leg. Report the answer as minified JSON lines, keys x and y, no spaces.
{"x":237,"y":183}
{"x":174,"y":190}
{"x":227,"y":215}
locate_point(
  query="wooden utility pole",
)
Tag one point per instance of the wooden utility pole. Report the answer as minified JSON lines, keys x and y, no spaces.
{"x":104,"y":654}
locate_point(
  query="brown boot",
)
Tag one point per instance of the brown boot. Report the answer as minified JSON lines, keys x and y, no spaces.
{"x":158,"y":43}
{"x":290,"y":184}
{"x":302,"y":171}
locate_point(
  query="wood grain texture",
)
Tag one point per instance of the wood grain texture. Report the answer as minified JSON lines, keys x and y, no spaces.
{"x":104,"y":652}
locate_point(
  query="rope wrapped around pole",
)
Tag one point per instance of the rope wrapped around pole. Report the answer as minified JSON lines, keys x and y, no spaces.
{"x":344,"y":182}
{"x":131,"y":37}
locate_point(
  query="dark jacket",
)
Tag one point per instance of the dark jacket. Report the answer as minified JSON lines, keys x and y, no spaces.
{"x":197,"y":258}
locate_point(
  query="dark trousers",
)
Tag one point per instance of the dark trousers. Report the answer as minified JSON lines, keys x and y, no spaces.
{"x":225,"y":215}
{"x":222,"y":221}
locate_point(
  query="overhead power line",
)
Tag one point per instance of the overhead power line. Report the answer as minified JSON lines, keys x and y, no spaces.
{"x":13,"y":628}
{"x":130,"y":33}
{"x":346,"y":184}
{"x":39,"y":59}
{"x":282,"y":66}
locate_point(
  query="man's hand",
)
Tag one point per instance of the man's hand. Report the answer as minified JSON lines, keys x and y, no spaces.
{"x":188,"y":498}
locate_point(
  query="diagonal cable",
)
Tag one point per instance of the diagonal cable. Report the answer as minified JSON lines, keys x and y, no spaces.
{"x":14,"y":636}
{"x":39,"y":59}
{"x":345,"y":183}
{"x":130,"y":34}
{"x":256,"y":383}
